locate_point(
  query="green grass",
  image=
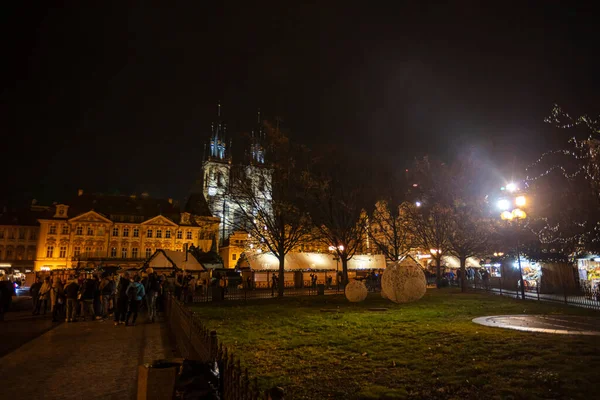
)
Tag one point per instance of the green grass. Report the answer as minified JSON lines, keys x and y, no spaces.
{"x":425,"y":350}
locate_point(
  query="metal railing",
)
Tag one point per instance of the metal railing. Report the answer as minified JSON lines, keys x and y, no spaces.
{"x":195,"y":342}
{"x":582,"y":296}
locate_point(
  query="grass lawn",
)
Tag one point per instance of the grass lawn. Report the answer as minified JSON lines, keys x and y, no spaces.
{"x":425,"y":350}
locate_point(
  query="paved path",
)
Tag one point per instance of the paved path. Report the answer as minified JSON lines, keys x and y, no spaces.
{"x":557,"y":324}
{"x":83,"y":360}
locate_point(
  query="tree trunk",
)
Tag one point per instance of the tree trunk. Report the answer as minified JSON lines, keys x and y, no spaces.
{"x":463,"y":273}
{"x":281,"y":281}
{"x":344,"y":271}
{"x":438,"y":271}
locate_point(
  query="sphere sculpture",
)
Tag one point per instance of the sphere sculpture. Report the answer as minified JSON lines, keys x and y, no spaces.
{"x":356,"y":291}
{"x":402,"y":283}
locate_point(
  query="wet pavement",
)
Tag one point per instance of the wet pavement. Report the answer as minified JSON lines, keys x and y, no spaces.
{"x":556,"y":324}
{"x":84,"y":360}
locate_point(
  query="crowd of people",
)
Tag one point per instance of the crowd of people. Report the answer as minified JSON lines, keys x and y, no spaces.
{"x":100,"y":296}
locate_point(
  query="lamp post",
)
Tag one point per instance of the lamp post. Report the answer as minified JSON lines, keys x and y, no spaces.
{"x":515,"y":215}
{"x":336,"y":257}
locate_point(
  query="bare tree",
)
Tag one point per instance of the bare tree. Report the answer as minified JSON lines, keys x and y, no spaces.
{"x":266,"y":199}
{"x":389,"y":230}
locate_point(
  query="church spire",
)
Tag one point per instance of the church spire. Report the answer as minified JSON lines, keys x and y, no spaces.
{"x":217,"y":138}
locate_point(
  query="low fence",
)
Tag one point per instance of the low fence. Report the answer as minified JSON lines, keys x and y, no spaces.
{"x":580,"y":297}
{"x":195,"y":342}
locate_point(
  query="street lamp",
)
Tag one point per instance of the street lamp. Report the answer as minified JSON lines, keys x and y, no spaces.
{"x":515,"y":215}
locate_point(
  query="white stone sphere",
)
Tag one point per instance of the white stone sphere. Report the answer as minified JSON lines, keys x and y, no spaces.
{"x":356,"y":291}
{"x":403,"y":283}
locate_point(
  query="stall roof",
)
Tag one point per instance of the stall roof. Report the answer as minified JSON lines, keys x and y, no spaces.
{"x":314,"y":261}
{"x":171,"y":259}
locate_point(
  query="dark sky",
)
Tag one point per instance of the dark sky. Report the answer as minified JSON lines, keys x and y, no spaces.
{"x":121,"y":97}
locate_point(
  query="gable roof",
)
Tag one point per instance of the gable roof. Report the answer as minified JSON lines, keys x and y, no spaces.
{"x":90,"y":216}
{"x":159,"y":220}
{"x":176,"y":259}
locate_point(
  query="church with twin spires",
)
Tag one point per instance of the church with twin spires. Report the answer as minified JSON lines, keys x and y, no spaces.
{"x":220,"y":172}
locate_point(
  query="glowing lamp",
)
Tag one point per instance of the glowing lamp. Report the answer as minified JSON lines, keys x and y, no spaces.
{"x":331,"y":248}
{"x":418,"y":204}
{"x":520,"y":201}
{"x":519,"y":214}
{"x":506,"y":215}
{"x":341,"y":247}
{"x":511,"y":187}
{"x":503,"y":204}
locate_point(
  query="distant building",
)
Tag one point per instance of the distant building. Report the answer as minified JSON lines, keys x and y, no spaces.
{"x":94,"y":229}
{"x":172,"y":260}
{"x":219,"y":174}
{"x":19,"y":233}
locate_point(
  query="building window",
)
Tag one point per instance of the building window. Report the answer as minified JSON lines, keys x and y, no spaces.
{"x":125,"y":232}
{"x":134,"y":252}
{"x":11,"y":234}
{"x":32,"y":235}
{"x":179,"y":234}
{"x":136,"y":232}
{"x":79,"y":230}
{"x":90,"y":231}
{"x":76,"y":251}
{"x":124,"y":252}
{"x":159,"y":233}
{"x":149,"y":233}
{"x":168,"y":234}
{"x":65,"y":230}
{"x":62,"y":252}
{"x":21,"y":233}
{"x":113,"y":252}
{"x":115,"y":231}
{"x":188,"y":235}
{"x":52,"y":230}
{"x":148,"y":252}
{"x":88,"y":251}
{"x":234,"y":256}
{"x":49,"y":252}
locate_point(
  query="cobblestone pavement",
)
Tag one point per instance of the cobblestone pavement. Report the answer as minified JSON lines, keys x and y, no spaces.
{"x":83,"y":360}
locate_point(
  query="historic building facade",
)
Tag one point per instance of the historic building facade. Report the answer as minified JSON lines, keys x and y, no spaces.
{"x":219,"y":175}
{"x":94,"y":230}
{"x":19,"y":234}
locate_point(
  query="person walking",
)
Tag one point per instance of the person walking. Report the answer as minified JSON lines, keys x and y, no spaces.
{"x":122,"y":301}
{"x":34,"y":292}
{"x":71,"y":291}
{"x":44,"y":296}
{"x":152,"y":289}
{"x":135,"y":293}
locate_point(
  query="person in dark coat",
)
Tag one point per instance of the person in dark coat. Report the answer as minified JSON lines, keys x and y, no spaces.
{"x":7,"y":291}
{"x":34,"y":292}
{"x":71,"y":290}
{"x":122,"y":300}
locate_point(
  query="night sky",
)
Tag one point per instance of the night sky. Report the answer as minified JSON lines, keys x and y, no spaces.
{"x":120,"y":98}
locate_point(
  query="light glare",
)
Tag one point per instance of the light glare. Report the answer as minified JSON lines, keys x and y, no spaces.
{"x":503,"y":204}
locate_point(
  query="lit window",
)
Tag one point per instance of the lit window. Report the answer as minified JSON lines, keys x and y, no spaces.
{"x":115,"y":231}
{"x":188,"y":235}
{"x":179,"y":234}
{"x":113,"y":252}
{"x":124,"y":252}
{"x":62,"y":252}
{"x":49,"y":252}
{"x":125,"y":232}
{"x":168,"y":234}
{"x":52,"y":230}
{"x":136,"y":232}
{"x":79,"y":230}
{"x":65,"y":229}
{"x":134,"y":252}
{"x":148,"y":252}
{"x":149,"y":233}
{"x":159,"y":233}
